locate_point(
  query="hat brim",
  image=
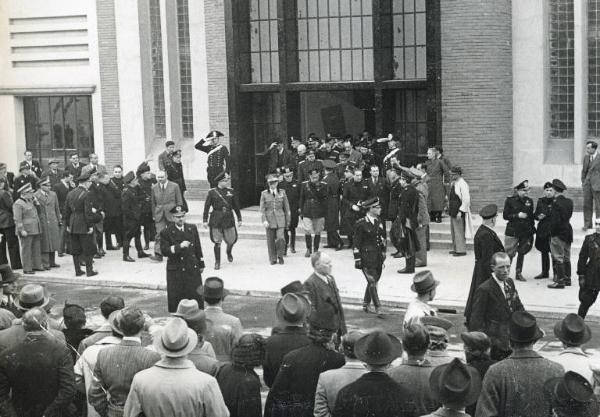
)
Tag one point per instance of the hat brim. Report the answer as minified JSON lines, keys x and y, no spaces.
{"x":360,"y":350}
{"x":160,"y":348}
{"x":200,"y":291}
{"x":467,"y":397}
{"x":587,"y":334}
{"x":195,"y":317}
{"x":539,"y":333}
{"x":431,"y":287}
{"x":589,"y":409}
{"x":284,"y":322}
{"x":47,"y":301}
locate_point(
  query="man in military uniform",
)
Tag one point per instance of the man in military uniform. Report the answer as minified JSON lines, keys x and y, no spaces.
{"x":561,"y":235}
{"x":369,"y":250}
{"x":25,"y":176}
{"x":131,"y":209}
{"x":218,"y":156}
{"x":355,"y":190}
{"x":313,"y":206}
{"x":224,"y":203}
{"x":405,"y":226}
{"x":305,"y":167}
{"x":518,"y":210}
{"x":80,"y":217}
{"x":146,"y":180}
{"x":588,"y":270}
{"x":332,"y":216}
{"x":542,"y":214}
{"x":180,"y":242}
{"x":28,"y":228}
{"x":53,"y":172}
{"x":292,"y":190}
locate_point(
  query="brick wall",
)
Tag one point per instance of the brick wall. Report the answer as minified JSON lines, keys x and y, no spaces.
{"x":109,"y":82}
{"x":477,"y":95}
{"x":216,"y":59}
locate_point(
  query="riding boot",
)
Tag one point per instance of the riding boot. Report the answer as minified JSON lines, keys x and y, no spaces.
{"x":308,"y":240}
{"x":217,"y":250}
{"x":545,"y":266}
{"x":293,"y":241}
{"x":126,"y":257}
{"x":77,"y":264}
{"x":410,"y":266}
{"x":567,"y":273}
{"x":519,"y":269}
{"x":229,"y":254}
{"x":89,"y":271}
{"x":53,"y":263}
{"x":316,"y":243}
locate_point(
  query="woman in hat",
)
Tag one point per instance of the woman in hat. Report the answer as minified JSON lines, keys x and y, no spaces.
{"x":27,"y":223}
{"x":50,"y":222}
{"x":275,"y":216}
{"x":571,"y":396}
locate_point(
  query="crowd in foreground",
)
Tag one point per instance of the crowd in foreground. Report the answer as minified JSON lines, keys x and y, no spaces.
{"x":202,"y":363}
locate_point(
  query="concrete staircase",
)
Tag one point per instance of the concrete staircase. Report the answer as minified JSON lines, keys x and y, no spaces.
{"x":440,"y":236}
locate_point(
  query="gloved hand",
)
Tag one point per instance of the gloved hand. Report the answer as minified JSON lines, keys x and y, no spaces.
{"x":357,"y":264}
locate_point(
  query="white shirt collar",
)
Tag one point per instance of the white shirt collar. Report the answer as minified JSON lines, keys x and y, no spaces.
{"x":133,"y":339}
{"x":370,"y":218}
{"x":323,"y":277}
{"x":500,"y":284}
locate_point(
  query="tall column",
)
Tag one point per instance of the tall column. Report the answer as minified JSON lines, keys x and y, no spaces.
{"x":477,"y":118}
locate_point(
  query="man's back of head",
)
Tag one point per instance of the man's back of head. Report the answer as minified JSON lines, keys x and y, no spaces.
{"x":35,"y":319}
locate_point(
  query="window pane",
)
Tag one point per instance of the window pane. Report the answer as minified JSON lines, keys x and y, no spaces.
{"x":56,"y":120}
{"x":333,"y":8}
{"x":421,"y":63}
{"x":336,"y":74}
{"x":323,"y":34}
{"x":254,"y":9}
{"x":75,"y":108}
{"x":264,"y":45}
{"x":367,"y":32}
{"x":324,"y":64}
{"x":314,"y":65}
{"x":312,"y":8}
{"x":593,"y":68}
{"x":263,"y":10}
{"x":303,"y":65}
{"x":421,"y":29}
{"x":399,"y":63}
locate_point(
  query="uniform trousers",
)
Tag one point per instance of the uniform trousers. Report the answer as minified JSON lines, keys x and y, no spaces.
{"x":587,"y":297}
{"x":82,"y":244}
{"x":134,"y":233}
{"x":64,"y":239}
{"x":560,"y":250}
{"x":211,"y":173}
{"x":10,"y":243}
{"x":372,"y":275}
{"x":275,"y":243}
{"x":591,"y":198}
{"x":159,"y":226}
{"x":457,"y":228}
{"x":31,"y":252}
{"x":421,"y":254}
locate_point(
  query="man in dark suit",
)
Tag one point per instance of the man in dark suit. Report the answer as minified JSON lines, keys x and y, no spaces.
{"x":53,"y":172}
{"x":485,"y":244}
{"x":561,"y":235}
{"x":8,"y":176}
{"x":518,"y":211}
{"x":131,"y":210}
{"x":62,"y":189}
{"x":495,"y":300}
{"x":180,"y":242}
{"x":80,"y":217}
{"x":34,"y":165}
{"x":74,"y":167}
{"x":279,"y":157}
{"x":590,"y":183}
{"x":377,"y":188}
{"x":369,"y":250}
{"x":332,"y":216}
{"x":324,"y":294}
{"x":38,"y":370}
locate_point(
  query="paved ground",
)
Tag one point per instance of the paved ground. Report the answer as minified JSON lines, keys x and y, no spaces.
{"x":250,"y":273}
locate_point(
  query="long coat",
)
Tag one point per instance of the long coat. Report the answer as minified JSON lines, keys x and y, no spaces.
{"x":332,"y":217}
{"x":562,"y":210}
{"x":378,"y":189}
{"x":275,"y":209}
{"x":588,"y":264}
{"x":6,"y":210}
{"x":184,"y":265}
{"x":436,"y":169}
{"x":492,"y":310}
{"x":241,"y":390}
{"x":277,"y":346}
{"x":514,"y":386}
{"x":79,"y":216}
{"x":485,"y":244}
{"x":353,"y":193}
{"x":544,"y":226}
{"x":50,"y":218}
{"x":326,"y":302}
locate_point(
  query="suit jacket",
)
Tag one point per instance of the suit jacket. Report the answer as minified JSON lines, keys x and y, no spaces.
{"x":241,"y":390}
{"x":331,"y":382}
{"x":164,"y":201}
{"x":6,"y":210}
{"x":413,"y":377}
{"x":374,"y":394}
{"x":55,"y":177}
{"x":79,"y":215}
{"x":515,"y":386}
{"x":277,"y":346}
{"x":26,"y":217}
{"x":378,"y":189}
{"x":75,"y":171}
{"x":325,"y":302}
{"x":275,"y":209}
{"x":332,"y":214}
{"x":39,"y":371}
{"x":61,"y":191}
{"x":590,"y":172}
{"x":15,"y":334}
{"x":223,"y":331}
{"x":562,"y":210}
{"x":492,"y":310}
{"x":485,"y":244}
{"x":114,"y":371}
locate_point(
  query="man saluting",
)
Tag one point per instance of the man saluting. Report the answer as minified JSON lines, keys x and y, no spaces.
{"x":180,"y":242}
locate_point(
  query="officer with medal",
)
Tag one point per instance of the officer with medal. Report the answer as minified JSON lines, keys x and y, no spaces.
{"x":180,"y":242}
{"x":218,"y":156}
{"x":518,"y":211}
{"x":224,"y":203}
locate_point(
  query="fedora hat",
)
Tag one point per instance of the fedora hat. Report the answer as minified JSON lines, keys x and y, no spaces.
{"x":30,"y":296}
{"x":423,"y":282}
{"x":189,"y":311}
{"x":8,"y":275}
{"x":115,"y":321}
{"x":292,"y":309}
{"x":477,"y":341}
{"x":213,"y":288}
{"x":572,"y":395}
{"x":378,"y":348}
{"x":455,"y":383}
{"x":572,"y":330}
{"x":523,"y":328}
{"x":175,"y":340}
{"x":294,"y":287}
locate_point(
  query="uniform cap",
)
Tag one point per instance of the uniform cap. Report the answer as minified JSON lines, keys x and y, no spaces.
{"x":24,"y":165}
{"x":558,"y":185}
{"x":43,"y":181}
{"x":523,"y":185}
{"x":24,"y":188}
{"x":223,"y":176}
{"x":214,"y":134}
{"x":169,"y":143}
{"x":178,"y":211}
{"x":143,"y":167}
{"x":488,"y":211}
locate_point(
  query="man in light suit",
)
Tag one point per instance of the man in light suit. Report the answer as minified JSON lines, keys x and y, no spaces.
{"x":94,"y":163}
{"x":275,"y":215}
{"x":324,"y":294}
{"x":590,"y":182}
{"x":28,"y":228}
{"x":165,"y":196}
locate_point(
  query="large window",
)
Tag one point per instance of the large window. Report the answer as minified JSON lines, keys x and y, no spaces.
{"x":185,"y":68}
{"x":562,"y":69}
{"x":409,"y":39}
{"x":264,"y":46}
{"x":158,"y":85}
{"x":594,"y":68}
{"x":335,"y":40}
{"x":406,"y":111}
{"x":57,"y":126}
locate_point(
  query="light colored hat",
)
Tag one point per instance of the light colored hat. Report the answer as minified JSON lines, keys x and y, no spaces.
{"x":175,"y":340}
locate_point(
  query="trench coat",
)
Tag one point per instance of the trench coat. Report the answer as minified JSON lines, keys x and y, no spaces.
{"x":588,"y":264}
{"x":436,"y":170}
{"x":50,"y":220}
{"x":332,"y":216}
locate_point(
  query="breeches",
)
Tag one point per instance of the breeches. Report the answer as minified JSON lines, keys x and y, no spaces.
{"x":560,"y":250}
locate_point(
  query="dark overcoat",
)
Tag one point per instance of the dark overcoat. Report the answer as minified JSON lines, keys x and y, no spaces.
{"x":61,"y":191}
{"x":131,"y":208}
{"x":517,"y":227}
{"x":240,"y":387}
{"x":184,"y":265}
{"x":562,"y":210}
{"x":78,"y":211}
{"x":369,"y":243}
{"x":588,"y":264}
{"x":436,"y":169}
{"x":332,"y":217}
{"x":313,"y":199}
{"x":279,"y":345}
{"x":492,"y":310}
{"x":352,"y":193}
{"x":485,"y":244}
{"x":20,"y":181}
{"x":514,"y":387}
{"x":292,"y":190}
{"x":326,"y":302}
{"x":544,"y":226}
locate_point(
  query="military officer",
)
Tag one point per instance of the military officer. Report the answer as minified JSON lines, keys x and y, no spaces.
{"x":355,"y":190}
{"x":26,"y":175}
{"x":218,"y":156}
{"x":292,"y":190}
{"x":131,"y":209}
{"x":146,"y":179}
{"x":407,"y":222}
{"x":588,"y":270}
{"x":313,"y":206}
{"x":224,"y":203}
{"x":27,"y":225}
{"x":180,"y":242}
{"x":50,"y":221}
{"x":53,"y":172}
{"x":561,"y":235}
{"x":369,"y":250}
{"x":518,"y":211}
{"x":305,"y":167}
{"x":80,"y":217}
{"x":332,"y":216}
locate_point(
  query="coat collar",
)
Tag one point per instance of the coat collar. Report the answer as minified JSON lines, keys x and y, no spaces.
{"x":175,"y":363}
{"x":525,"y":354}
